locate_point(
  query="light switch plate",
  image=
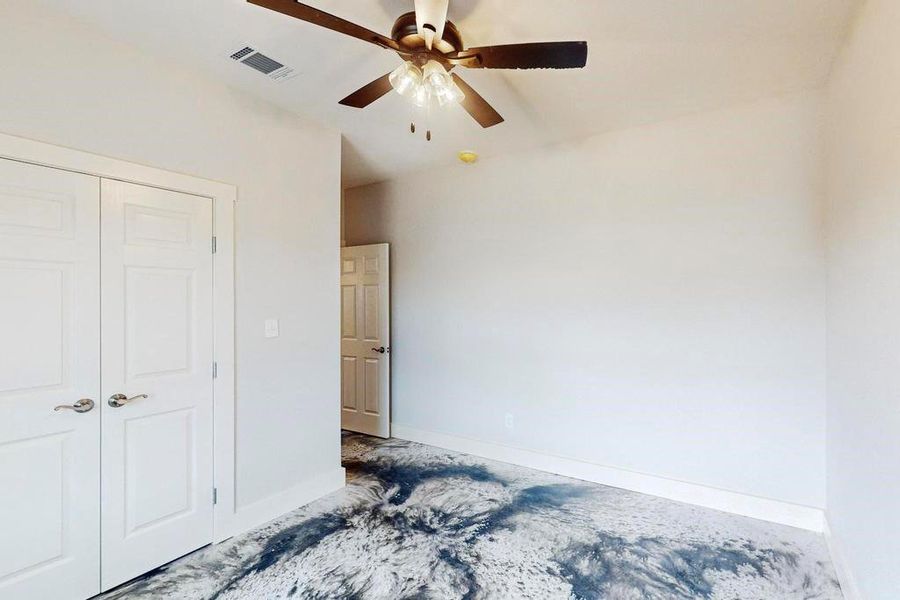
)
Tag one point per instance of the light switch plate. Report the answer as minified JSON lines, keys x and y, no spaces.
{"x":272,"y":328}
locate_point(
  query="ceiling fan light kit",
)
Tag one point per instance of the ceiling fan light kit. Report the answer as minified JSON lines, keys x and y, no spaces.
{"x":422,"y":86}
{"x":431,"y":47}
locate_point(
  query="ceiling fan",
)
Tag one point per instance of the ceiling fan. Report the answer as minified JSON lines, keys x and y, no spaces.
{"x":431,"y":47}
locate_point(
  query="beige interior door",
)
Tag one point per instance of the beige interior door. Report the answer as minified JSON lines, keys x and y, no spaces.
{"x":157,"y":394}
{"x":366,"y":340}
{"x":49,"y":357}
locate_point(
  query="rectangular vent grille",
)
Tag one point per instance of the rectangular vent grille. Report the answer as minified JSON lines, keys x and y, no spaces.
{"x":242,"y":53}
{"x":262,"y":63}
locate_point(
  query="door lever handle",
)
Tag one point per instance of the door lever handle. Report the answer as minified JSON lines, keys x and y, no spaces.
{"x":381,"y":350}
{"x":120,"y":400}
{"x":82,"y":406}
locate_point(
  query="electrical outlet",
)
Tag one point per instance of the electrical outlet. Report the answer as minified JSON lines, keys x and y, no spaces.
{"x":508,"y":421}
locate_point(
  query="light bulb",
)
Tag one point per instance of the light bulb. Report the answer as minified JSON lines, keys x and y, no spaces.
{"x":446,"y":95}
{"x":436,"y":75}
{"x":420,"y":96}
{"x":440,"y":85}
{"x":406,"y":80}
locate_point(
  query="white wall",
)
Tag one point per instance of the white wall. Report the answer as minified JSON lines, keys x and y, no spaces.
{"x":651,"y":299}
{"x":62,"y":83}
{"x":864,"y":302}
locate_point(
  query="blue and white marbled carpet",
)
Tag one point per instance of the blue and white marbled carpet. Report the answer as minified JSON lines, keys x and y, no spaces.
{"x":419,"y":522}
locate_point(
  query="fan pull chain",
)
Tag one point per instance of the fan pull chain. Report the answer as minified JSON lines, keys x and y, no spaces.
{"x":427,"y":117}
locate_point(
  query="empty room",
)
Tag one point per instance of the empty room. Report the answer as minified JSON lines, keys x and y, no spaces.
{"x":450,"y":299}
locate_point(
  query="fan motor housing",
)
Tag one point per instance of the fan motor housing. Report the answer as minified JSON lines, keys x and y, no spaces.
{"x":406,"y":33}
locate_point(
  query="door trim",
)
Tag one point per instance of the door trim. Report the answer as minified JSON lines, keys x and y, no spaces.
{"x":223,"y":196}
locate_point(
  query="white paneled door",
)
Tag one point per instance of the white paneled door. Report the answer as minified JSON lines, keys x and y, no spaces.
{"x":157,"y":395}
{"x":106,"y":380}
{"x":366,"y":340}
{"x":49,"y":383}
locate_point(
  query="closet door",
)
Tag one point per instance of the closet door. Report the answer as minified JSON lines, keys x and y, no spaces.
{"x":157,"y":353}
{"x":49,"y":383}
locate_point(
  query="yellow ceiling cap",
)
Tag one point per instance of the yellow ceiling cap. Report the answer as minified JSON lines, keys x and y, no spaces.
{"x":468,"y":157}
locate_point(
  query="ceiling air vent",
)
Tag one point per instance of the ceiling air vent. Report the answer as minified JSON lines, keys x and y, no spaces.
{"x":262,"y":63}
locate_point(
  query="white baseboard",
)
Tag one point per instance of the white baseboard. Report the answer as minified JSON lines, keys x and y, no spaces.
{"x":262,"y":511}
{"x":848,"y":583}
{"x":776,"y":511}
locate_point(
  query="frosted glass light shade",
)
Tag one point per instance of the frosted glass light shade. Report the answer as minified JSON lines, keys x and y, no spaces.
{"x":446,"y":95}
{"x":440,"y":85}
{"x":406,"y":80}
{"x":420,"y":96}
{"x":436,"y":75}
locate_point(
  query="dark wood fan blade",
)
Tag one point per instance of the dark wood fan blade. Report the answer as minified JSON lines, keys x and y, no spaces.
{"x":541,"y":55}
{"x":477,"y":106}
{"x":328,"y":21}
{"x":368,"y":94}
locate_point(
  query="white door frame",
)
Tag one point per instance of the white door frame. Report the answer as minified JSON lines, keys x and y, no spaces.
{"x":224,"y":196}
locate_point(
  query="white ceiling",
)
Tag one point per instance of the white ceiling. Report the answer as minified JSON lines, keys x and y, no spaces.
{"x":648,"y":60}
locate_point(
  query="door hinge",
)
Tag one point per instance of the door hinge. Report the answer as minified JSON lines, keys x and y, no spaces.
{"x":214,"y":244}
{"x":215,"y":369}
{"x":215,"y":496}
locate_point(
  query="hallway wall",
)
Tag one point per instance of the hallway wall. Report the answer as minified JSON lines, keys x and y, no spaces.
{"x":650,"y":299}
